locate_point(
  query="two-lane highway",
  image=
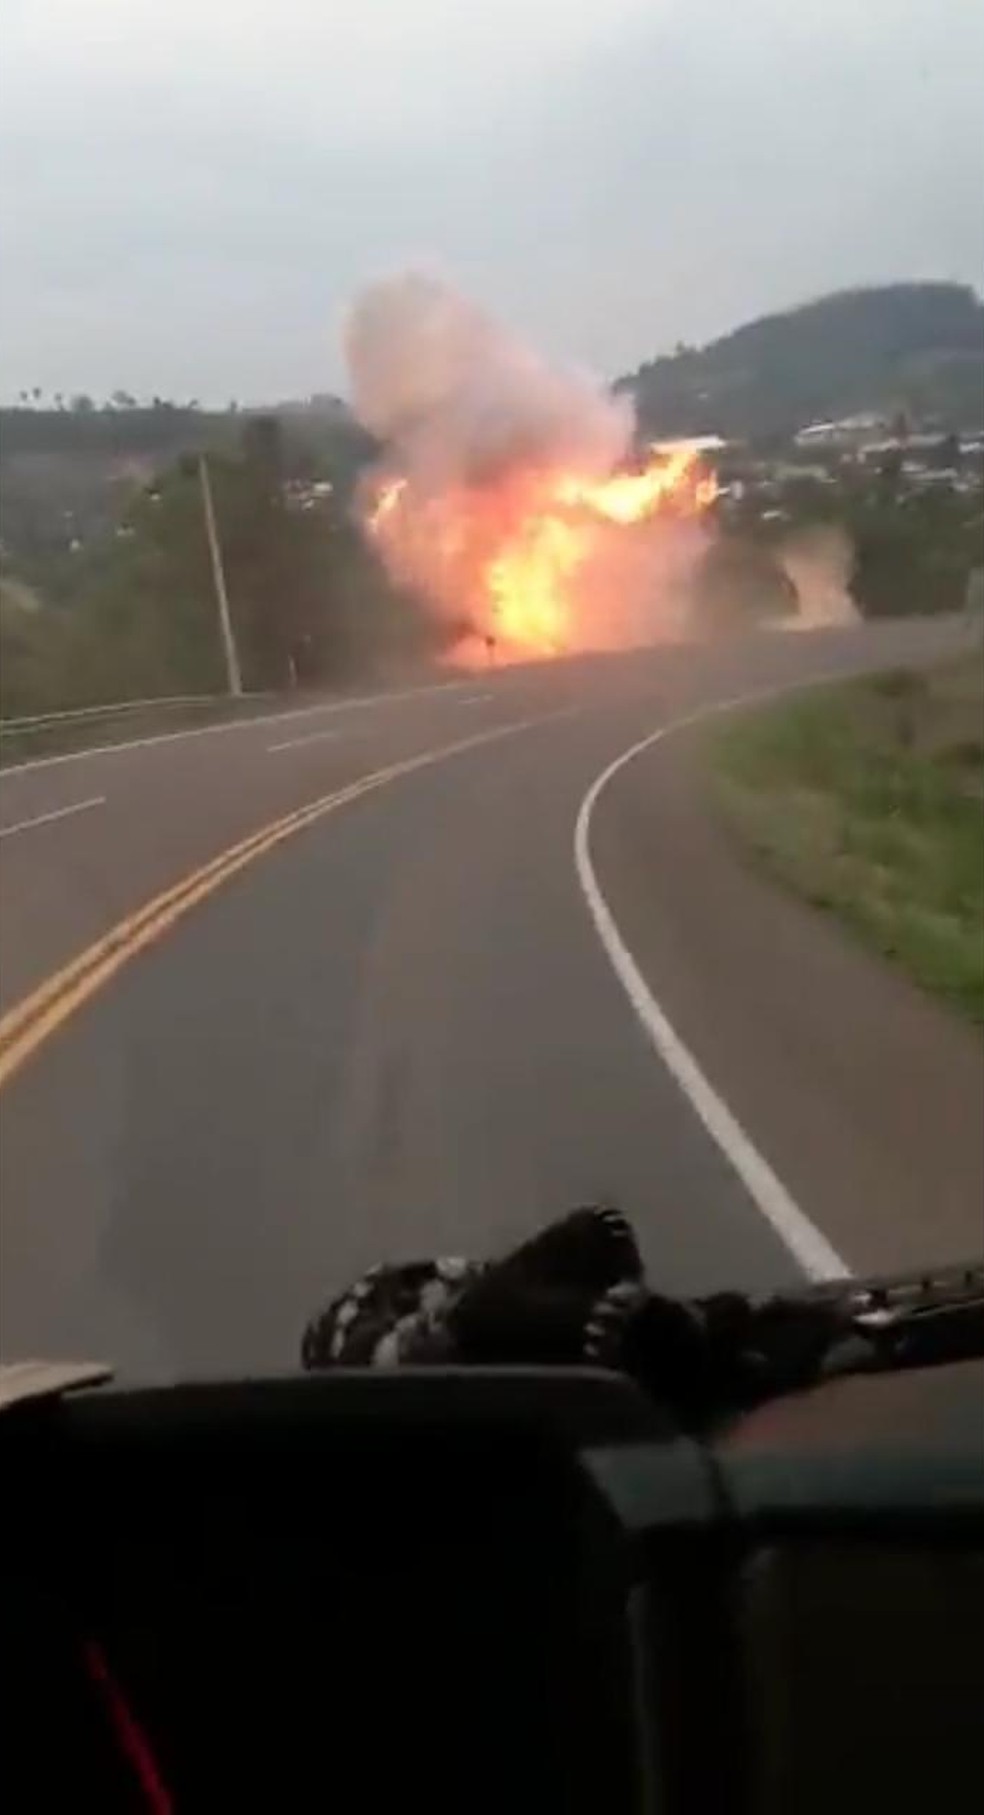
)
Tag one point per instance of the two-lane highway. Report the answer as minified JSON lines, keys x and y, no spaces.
{"x":327,"y":987}
{"x":88,"y":838}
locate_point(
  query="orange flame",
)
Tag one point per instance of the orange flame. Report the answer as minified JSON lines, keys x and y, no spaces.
{"x":526,"y":584}
{"x":505,"y":556}
{"x":386,"y":501}
{"x":630,"y":497}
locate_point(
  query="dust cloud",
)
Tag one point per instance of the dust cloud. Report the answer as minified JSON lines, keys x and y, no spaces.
{"x":818,"y":561}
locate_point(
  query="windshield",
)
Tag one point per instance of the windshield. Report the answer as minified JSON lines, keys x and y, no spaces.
{"x":490,"y":650}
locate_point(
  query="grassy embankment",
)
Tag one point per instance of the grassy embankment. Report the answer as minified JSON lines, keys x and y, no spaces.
{"x":868,"y":799}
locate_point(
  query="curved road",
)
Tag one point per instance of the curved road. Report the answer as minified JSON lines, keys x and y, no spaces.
{"x":389,"y":1026}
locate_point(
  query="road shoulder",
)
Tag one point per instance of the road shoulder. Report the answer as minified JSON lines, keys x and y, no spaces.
{"x":862,"y":1093}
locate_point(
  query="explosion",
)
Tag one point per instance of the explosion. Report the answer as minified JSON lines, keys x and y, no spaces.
{"x":506,"y":496}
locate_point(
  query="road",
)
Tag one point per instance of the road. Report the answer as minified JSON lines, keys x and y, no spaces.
{"x":389,"y":1025}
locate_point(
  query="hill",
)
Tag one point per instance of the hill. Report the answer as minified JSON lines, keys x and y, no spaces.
{"x":67,"y":474}
{"x":917,"y":348}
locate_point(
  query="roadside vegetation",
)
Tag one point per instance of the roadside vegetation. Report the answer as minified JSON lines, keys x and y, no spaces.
{"x":868,"y":799}
{"x":128,"y":612}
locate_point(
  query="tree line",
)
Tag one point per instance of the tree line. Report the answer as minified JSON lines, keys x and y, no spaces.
{"x":131,"y":613}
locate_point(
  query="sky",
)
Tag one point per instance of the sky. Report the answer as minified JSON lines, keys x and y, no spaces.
{"x":192,"y":192}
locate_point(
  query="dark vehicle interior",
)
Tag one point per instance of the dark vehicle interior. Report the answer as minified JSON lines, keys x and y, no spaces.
{"x":494,"y":1588}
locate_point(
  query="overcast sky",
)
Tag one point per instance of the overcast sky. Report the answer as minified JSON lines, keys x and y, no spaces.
{"x":191,"y":190}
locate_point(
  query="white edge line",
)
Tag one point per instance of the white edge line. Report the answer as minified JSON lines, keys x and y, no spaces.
{"x":234,"y":724}
{"x":46,"y":819}
{"x":809,"y":1248}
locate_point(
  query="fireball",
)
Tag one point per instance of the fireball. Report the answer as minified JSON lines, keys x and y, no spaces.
{"x":514,"y":553}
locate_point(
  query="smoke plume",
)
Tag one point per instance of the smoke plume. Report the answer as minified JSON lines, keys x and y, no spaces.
{"x":457,"y":399}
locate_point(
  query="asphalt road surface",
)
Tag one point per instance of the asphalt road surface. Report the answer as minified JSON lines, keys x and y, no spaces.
{"x":395,"y":1022}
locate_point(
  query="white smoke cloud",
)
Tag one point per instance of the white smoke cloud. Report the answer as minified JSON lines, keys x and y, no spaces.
{"x":457,"y":397}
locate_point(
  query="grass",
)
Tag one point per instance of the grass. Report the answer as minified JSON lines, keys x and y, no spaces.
{"x":868,"y":799}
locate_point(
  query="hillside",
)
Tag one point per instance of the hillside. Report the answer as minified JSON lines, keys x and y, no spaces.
{"x":67,"y":474}
{"x":912,"y":347}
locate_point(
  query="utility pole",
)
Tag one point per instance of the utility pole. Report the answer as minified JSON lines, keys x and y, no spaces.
{"x":229,"y":650}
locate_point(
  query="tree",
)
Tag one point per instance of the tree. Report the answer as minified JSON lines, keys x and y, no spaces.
{"x":32,"y":647}
{"x":915,"y":555}
{"x":267,"y":557}
{"x":132,"y":611}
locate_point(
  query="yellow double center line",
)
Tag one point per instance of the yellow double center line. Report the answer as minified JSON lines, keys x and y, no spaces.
{"x":26,"y":1026}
